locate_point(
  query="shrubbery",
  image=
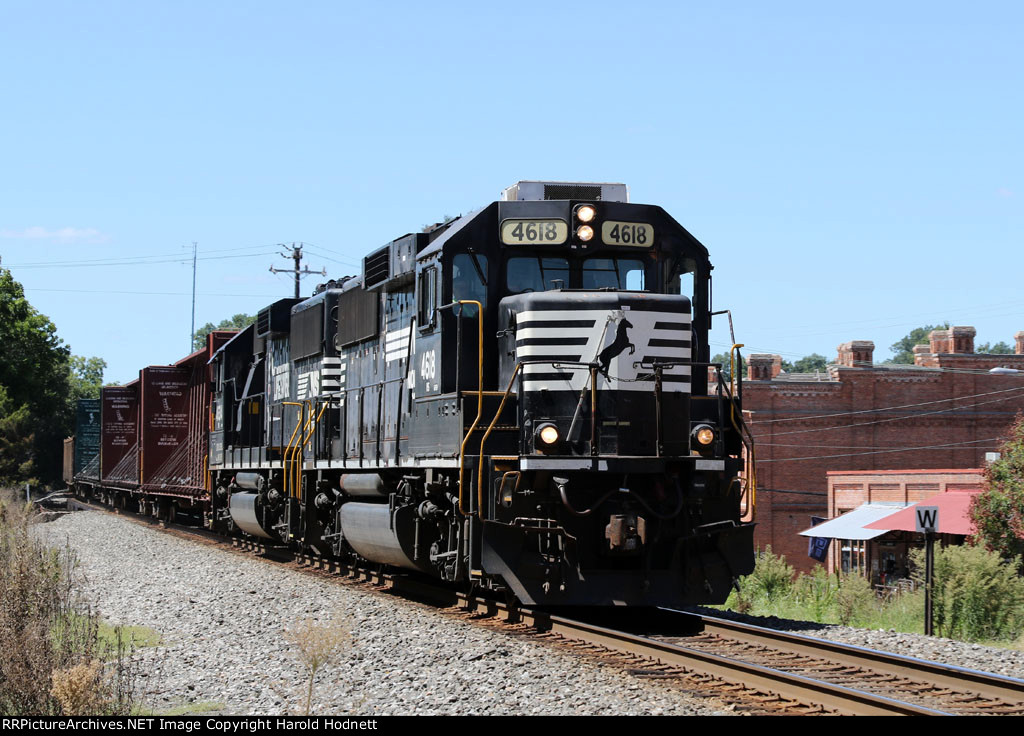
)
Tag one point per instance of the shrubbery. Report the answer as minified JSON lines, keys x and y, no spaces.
{"x":53,"y":660}
{"x":817,"y":592}
{"x":978,"y":596}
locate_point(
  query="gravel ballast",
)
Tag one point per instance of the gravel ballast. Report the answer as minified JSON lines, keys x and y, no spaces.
{"x":222,"y":615}
{"x":1007,"y":662}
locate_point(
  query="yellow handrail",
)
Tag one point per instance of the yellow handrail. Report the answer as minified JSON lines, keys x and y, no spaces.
{"x":311,"y":425}
{"x":284,"y":455}
{"x":480,"y":461}
{"x":479,"y":397}
{"x":752,"y":477}
{"x":733,"y":352}
{"x":295,"y":450}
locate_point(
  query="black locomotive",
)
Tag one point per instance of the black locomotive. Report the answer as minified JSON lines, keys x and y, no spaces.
{"x":517,"y":399}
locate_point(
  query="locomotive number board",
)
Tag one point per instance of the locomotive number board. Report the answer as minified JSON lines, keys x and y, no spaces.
{"x":636,"y":234}
{"x":534,"y":232}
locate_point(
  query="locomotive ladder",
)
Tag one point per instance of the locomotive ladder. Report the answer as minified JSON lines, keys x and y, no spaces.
{"x":293,"y":456}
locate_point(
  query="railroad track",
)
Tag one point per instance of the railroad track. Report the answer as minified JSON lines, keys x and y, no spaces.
{"x":750,"y":668}
{"x":930,"y":686}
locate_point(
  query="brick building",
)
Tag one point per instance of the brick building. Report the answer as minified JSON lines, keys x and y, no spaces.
{"x":945,"y":411}
{"x":850,"y":490}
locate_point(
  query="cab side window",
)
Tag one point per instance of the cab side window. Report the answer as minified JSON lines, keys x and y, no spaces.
{"x":469,"y":281}
{"x":427,"y":298}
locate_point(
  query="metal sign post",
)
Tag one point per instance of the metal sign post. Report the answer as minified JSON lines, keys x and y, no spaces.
{"x":927,"y":518}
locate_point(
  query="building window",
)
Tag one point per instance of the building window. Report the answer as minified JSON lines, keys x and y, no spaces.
{"x":853,"y":556}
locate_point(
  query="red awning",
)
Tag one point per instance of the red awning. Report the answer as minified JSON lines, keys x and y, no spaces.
{"x":954,"y":517}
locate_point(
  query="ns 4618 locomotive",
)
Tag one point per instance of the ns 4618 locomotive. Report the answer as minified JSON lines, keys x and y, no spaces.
{"x":518,"y":399}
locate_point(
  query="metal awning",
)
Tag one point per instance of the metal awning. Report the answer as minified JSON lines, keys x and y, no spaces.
{"x":954,"y":514}
{"x":851,"y":524}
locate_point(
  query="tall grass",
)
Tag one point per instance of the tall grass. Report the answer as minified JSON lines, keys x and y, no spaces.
{"x":52,"y":658}
{"x":317,"y":645}
{"x":977,"y":596}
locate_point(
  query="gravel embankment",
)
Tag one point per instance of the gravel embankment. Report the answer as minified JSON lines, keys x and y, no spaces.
{"x":222,"y":616}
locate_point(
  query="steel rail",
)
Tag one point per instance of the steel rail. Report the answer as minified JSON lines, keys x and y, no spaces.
{"x":952,"y":676}
{"x":840,"y":698}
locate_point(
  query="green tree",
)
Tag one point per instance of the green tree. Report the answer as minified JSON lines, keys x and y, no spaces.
{"x":85,"y":379}
{"x":238,"y":322}
{"x":998,"y":512}
{"x":16,"y":441}
{"x":726,"y":362}
{"x":35,"y":378}
{"x":812,"y":363}
{"x":903,"y":350}
{"x":1000,"y":348}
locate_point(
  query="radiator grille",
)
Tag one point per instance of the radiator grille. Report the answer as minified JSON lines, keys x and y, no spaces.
{"x":376,"y":268}
{"x":571,"y":191}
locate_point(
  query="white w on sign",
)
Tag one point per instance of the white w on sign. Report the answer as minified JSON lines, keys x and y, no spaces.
{"x":927,"y":518}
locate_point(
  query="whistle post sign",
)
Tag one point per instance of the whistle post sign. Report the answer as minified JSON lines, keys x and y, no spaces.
{"x":927,"y":518}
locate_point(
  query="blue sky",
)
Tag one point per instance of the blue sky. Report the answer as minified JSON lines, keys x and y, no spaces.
{"x":854,"y":171}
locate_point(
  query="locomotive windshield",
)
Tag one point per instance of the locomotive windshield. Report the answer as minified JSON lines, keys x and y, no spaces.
{"x":539,"y":273}
{"x":613,"y":273}
{"x":536,"y":274}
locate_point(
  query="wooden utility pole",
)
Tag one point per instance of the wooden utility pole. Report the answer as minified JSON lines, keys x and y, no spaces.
{"x":295,"y":255}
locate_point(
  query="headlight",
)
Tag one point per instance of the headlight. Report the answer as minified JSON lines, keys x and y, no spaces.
{"x":584,"y":232}
{"x":585,"y":213}
{"x":547,"y":435}
{"x":703,"y":435}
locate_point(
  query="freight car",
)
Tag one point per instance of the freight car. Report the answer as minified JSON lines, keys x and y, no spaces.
{"x":149,"y":444}
{"x":518,"y":399}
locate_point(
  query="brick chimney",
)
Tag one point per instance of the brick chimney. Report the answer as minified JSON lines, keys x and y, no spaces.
{"x":940,"y":341}
{"x":1019,"y":340}
{"x":921,"y":354}
{"x":962,"y":339}
{"x":860,"y":353}
{"x":763,"y":366}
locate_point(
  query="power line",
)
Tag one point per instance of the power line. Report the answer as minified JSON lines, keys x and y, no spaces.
{"x":347,"y":262}
{"x":886,"y":408}
{"x":153,"y":293}
{"x":162,"y":259}
{"x":880,"y":452}
{"x":754,"y":425}
{"x":883,"y":322}
{"x":835,"y":447}
{"x":927,"y":369}
{"x":345,"y":257}
{"x":131,"y":260}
